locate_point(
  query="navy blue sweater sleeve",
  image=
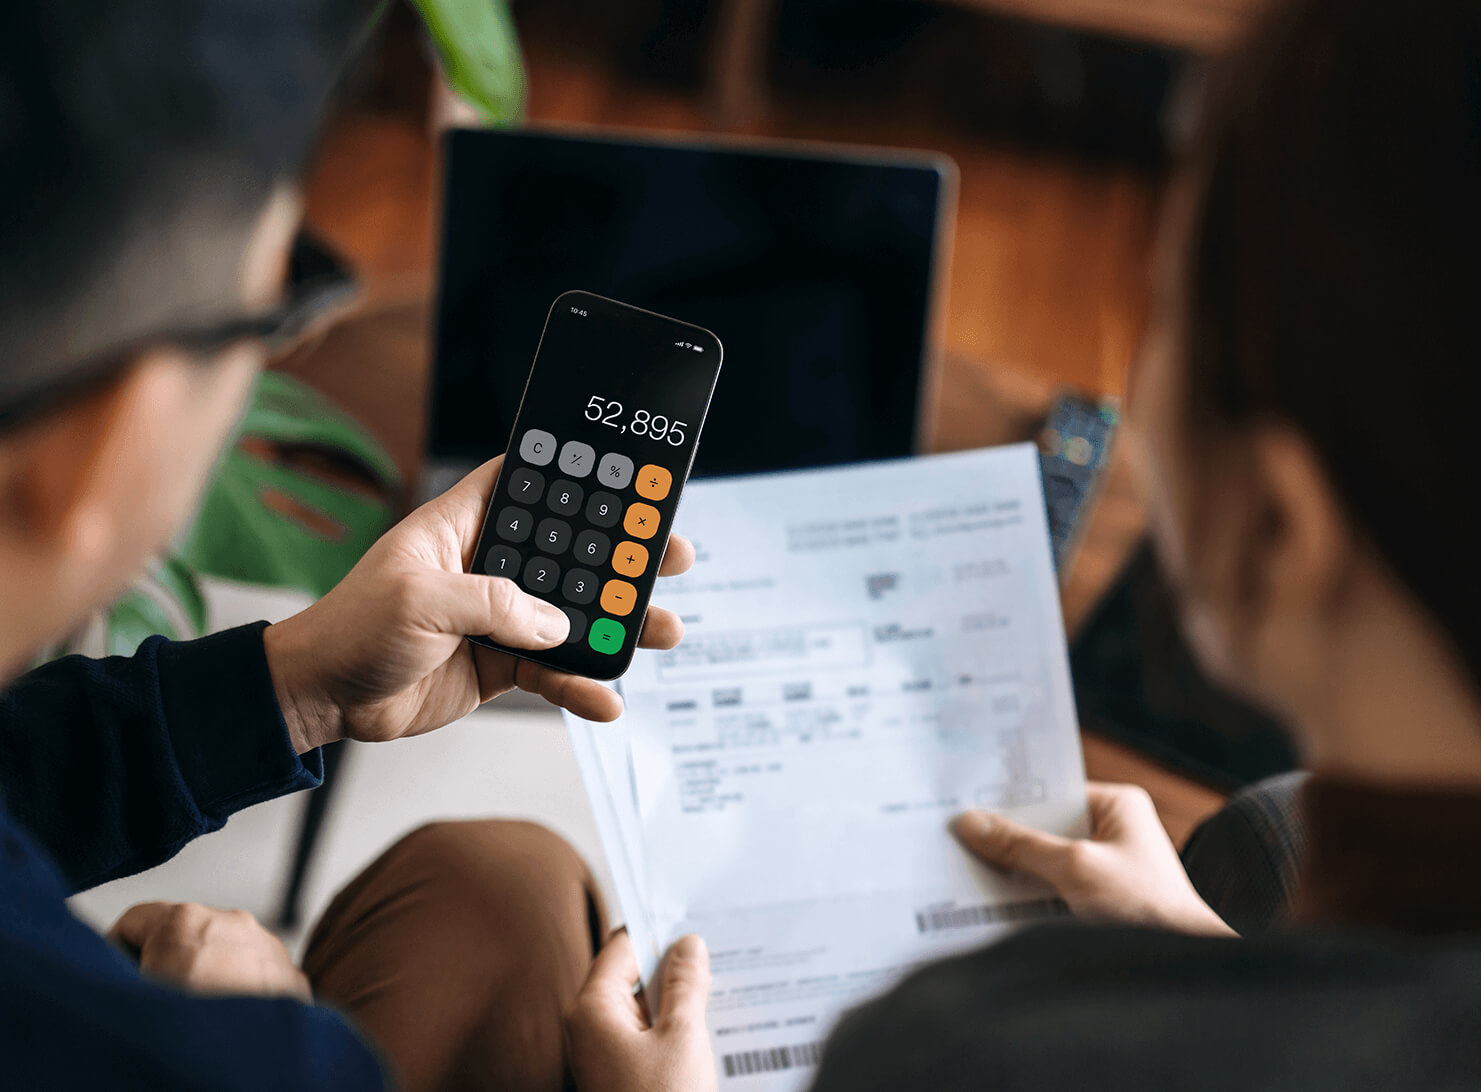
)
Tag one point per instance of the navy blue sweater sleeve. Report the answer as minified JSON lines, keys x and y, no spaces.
{"x":113,"y":765}
{"x":74,"y":1013}
{"x":108,"y":767}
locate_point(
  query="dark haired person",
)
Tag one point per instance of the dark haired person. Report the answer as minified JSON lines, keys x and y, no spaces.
{"x":1315,"y":356}
{"x":1306,"y":398}
{"x":147,"y":206}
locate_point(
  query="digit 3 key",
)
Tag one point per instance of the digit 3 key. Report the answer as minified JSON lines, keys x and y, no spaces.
{"x":603,"y":443}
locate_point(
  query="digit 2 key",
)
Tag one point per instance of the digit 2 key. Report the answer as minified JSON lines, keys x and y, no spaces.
{"x":602,"y":445}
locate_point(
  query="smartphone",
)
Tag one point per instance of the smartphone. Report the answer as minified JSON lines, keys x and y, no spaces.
{"x":602,"y":446}
{"x":1074,"y":451}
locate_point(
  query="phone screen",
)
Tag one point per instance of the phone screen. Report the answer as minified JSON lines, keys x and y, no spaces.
{"x":602,"y":445}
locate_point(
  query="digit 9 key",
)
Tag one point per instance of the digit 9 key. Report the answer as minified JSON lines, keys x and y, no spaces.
{"x":603,"y":443}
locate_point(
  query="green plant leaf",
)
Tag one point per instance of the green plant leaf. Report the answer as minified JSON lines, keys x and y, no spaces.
{"x":135,"y":618}
{"x":241,"y":533}
{"x":480,"y":55}
{"x":177,"y":579}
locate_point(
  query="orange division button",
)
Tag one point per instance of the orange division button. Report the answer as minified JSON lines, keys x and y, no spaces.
{"x":630,"y":558}
{"x":653,"y":482}
{"x":641,"y":520}
{"x":619,"y":597}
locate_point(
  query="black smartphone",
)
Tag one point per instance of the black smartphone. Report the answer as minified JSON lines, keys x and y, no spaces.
{"x":602,"y":445}
{"x":1074,"y":451}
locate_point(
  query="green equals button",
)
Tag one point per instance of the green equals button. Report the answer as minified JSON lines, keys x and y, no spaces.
{"x":606,"y":635}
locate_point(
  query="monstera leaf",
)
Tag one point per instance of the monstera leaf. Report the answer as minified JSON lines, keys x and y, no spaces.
{"x":480,"y":55}
{"x":266,"y":521}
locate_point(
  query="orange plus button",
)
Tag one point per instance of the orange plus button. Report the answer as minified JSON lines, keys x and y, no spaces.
{"x":653,"y":482}
{"x":630,"y":558}
{"x":641,"y":520}
{"x":619,"y":597}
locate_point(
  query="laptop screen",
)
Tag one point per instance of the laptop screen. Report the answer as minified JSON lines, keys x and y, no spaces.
{"x":815,"y":271}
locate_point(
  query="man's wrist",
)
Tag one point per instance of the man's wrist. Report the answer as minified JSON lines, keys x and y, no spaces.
{"x":313,"y":718}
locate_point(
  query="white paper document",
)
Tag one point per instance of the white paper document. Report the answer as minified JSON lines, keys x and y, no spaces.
{"x":868,"y":651}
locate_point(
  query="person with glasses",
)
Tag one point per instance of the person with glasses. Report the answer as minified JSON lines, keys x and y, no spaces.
{"x":149,"y":207}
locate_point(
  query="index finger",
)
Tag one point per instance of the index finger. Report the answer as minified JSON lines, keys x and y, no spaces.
{"x":463,"y":505}
{"x":587,"y":698}
{"x":678,"y":557}
{"x":477,"y":484}
{"x":609,"y":986}
{"x":1103,"y":792}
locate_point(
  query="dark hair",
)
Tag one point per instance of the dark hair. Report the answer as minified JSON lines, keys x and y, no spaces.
{"x":1334,"y":270}
{"x":140,"y":140}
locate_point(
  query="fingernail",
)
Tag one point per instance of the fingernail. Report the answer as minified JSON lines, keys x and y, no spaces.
{"x":551,"y":623}
{"x":970,"y":824}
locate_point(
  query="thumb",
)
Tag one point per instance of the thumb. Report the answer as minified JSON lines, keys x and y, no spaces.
{"x":493,"y":606}
{"x":138,"y":923}
{"x":1013,"y":846}
{"x":686,"y":984}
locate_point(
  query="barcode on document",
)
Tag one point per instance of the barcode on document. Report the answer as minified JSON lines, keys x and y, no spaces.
{"x":962,"y":917}
{"x":772,"y":1060}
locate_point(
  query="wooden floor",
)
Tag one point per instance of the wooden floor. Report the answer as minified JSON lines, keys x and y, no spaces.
{"x":1049,"y":280}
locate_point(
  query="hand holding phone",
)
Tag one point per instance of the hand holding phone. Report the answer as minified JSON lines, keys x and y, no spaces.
{"x":602,"y":446}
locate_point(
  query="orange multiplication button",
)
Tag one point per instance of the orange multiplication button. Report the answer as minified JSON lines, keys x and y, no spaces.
{"x":630,"y":558}
{"x":619,"y":597}
{"x":653,"y":482}
{"x":641,"y":520}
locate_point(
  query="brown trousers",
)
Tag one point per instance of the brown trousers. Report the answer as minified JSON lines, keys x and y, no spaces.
{"x":458,"y":951}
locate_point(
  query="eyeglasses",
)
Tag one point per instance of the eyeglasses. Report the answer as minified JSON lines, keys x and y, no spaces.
{"x":319,"y":285}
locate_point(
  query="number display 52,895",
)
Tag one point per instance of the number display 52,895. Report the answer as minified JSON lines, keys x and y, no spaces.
{"x":653,"y":425}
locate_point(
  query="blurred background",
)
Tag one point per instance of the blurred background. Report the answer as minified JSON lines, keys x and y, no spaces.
{"x":1054,"y":111}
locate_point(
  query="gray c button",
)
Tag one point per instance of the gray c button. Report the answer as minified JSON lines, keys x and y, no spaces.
{"x":577,"y":459}
{"x":617,"y":470}
{"x":537,"y":448}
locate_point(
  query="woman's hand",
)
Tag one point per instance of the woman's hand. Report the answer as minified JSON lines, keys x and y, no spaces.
{"x":209,"y":951}
{"x":383,"y":655}
{"x":613,"y":1048}
{"x":1127,"y":870}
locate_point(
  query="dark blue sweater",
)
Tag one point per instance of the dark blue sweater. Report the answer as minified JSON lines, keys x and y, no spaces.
{"x":108,"y":767}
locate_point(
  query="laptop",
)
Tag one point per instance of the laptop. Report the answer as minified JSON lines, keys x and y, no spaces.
{"x":822,"y":268}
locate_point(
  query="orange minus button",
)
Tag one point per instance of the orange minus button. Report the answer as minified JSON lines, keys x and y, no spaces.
{"x":653,"y":482}
{"x":619,"y":597}
{"x":641,"y":520}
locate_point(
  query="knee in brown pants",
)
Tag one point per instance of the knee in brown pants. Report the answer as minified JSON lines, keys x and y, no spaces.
{"x":458,"y":952}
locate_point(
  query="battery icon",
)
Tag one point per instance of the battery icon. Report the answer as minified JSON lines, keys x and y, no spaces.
{"x":698,"y":348}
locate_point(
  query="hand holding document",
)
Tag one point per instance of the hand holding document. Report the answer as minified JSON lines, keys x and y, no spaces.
{"x":869,"y":651}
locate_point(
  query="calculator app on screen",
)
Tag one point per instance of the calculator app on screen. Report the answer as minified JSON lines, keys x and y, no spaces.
{"x":602,"y":445}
